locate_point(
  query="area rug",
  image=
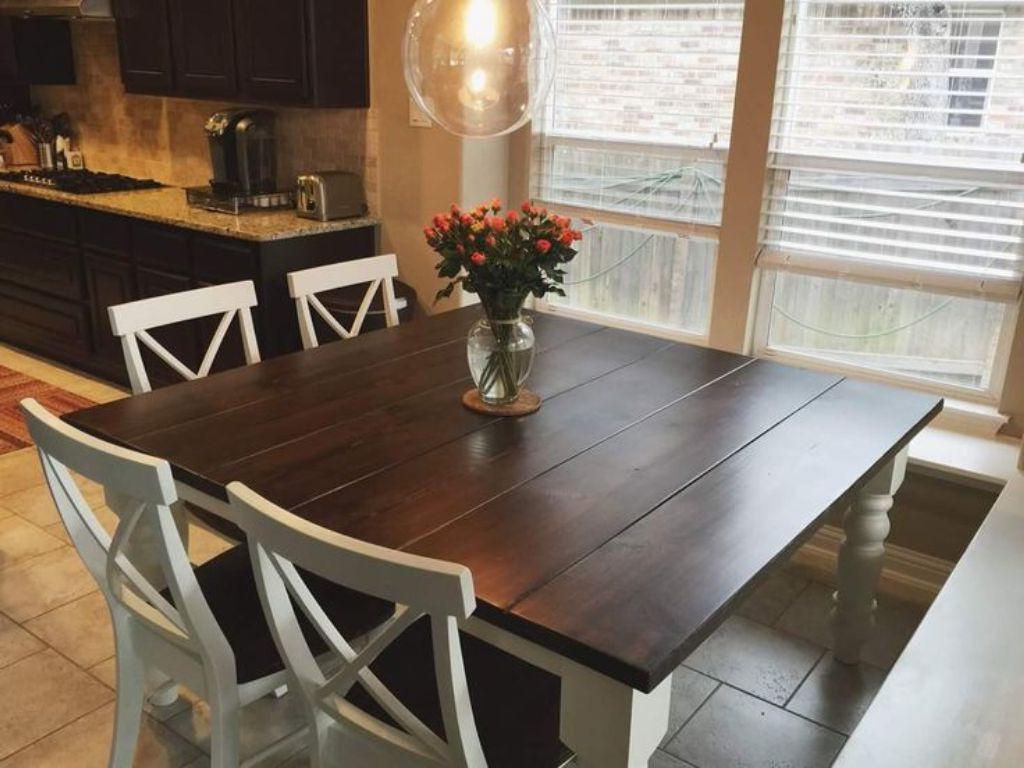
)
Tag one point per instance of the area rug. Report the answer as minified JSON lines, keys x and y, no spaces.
{"x":15,"y":387}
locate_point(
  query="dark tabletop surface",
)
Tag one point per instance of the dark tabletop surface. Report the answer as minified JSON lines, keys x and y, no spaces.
{"x":617,"y":526}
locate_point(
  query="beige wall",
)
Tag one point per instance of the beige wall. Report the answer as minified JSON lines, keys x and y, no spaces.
{"x":419,"y":168}
{"x":422,"y":170}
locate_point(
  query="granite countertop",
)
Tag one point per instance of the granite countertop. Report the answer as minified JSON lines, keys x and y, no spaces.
{"x":167,"y":206}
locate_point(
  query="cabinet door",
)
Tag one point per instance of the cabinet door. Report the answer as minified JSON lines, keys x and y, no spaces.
{"x":55,"y":327}
{"x":111,"y":282}
{"x":144,"y":44}
{"x":340,"y":53}
{"x":8,"y":61}
{"x":273,"y":63}
{"x":41,"y":265}
{"x":232,"y":351}
{"x":180,"y":339}
{"x":203,"y":38}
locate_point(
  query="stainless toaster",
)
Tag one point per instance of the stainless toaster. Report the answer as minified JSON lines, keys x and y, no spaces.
{"x":330,"y":195}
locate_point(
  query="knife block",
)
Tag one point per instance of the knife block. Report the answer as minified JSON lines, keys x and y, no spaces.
{"x":22,"y":151}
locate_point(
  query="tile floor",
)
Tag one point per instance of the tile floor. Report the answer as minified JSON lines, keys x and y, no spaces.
{"x":763,"y":690}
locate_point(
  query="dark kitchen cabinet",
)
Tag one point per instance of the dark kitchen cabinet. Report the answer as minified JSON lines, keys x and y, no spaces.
{"x":302,"y":52}
{"x":180,"y":339}
{"x":340,"y":53}
{"x":203,"y":37}
{"x":144,"y":45}
{"x":111,"y":281}
{"x":35,"y":52}
{"x":8,"y":61}
{"x":232,"y":351}
{"x":51,"y":326}
{"x":62,"y":266}
{"x":40,"y":264}
{"x":272,"y":50}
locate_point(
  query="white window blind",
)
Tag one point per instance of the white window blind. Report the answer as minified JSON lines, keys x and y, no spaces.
{"x":893,"y":220}
{"x":638,"y":121}
{"x":898,"y":142}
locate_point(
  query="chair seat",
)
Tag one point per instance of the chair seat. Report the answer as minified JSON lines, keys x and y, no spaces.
{"x":229,"y":586}
{"x":516,"y":705}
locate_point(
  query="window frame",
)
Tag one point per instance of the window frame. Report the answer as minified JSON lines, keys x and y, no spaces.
{"x":541,"y":135}
{"x":761,"y":347}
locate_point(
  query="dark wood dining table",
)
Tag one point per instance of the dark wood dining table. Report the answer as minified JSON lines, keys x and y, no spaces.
{"x":608,"y":534}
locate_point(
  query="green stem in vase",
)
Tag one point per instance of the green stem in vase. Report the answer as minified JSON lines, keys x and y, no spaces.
{"x":503,"y":312}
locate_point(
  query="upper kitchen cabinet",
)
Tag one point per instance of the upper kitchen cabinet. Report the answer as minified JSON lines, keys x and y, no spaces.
{"x":340,"y":53}
{"x":8,"y":61}
{"x":273,"y":50}
{"x":144,"y":45}
{"x":35,"y":52}
{"x":300,"y":52}
{"x":313,"y":52}
{"x":203,"y":38}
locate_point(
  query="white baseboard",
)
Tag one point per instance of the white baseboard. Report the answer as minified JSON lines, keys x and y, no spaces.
{"x":906,"y":574}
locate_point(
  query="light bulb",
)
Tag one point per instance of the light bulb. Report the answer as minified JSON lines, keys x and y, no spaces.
{"x":479,"y":67}
{"x":477,"y":81}
{"x":481,"y":25}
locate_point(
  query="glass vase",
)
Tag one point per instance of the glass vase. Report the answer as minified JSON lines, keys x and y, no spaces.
{"x":500,"y":353}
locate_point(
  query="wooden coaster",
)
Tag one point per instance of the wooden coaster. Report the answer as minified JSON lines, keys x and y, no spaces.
{"x":528,"y":402}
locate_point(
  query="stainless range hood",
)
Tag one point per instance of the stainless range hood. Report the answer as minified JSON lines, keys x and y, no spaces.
{"x":61,"y":9}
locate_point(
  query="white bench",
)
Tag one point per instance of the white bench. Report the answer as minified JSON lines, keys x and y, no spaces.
{"x":955,"y":698}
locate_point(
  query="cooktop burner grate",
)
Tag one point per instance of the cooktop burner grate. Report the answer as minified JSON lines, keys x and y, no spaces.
{"x":79,"y":182}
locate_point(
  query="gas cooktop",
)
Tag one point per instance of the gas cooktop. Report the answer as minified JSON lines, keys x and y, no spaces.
{"x":79,"y":182}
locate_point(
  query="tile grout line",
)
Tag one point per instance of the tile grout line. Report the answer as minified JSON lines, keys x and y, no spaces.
{"x":5,"y":667}
{"x":48,"y":611}
{"x":693,"y":714}
{"x":787,"y":711}
{"x":55,"y":730}
{"x":794,"y":601}
{"x":762,"y":699}
{"x":803,"y":680}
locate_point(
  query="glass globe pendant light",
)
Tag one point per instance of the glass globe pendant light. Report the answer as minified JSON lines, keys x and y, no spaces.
{"x":479,"y":67}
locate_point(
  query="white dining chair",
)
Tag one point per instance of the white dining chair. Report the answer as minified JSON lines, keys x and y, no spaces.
{"x":206,"y":628}
{"x":132,"y":322}
{"x":403,"y":699}
{"x":378,"y":272}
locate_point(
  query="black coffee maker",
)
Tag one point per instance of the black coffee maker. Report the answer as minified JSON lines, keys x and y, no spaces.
{"x":243,"y":153}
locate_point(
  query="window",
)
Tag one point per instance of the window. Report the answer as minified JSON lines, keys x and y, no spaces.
{"x":634,"y":138}
{"x":892,"y":236}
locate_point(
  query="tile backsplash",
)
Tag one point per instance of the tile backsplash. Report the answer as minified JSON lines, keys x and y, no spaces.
{"x":162,"y":138}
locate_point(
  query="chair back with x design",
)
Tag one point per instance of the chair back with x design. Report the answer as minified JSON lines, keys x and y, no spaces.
{"x":132,"y":322}
{"x":146,"y":485}
{"x":281,"y":543}
{"x":377,"y":272}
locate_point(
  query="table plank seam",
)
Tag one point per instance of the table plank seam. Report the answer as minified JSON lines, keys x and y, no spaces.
{"x":343,"y":373}
{"x":579,"y":453}
{"x":283,"y":391}
{"x":696,"y":478}
{"x":399,"y":401}
{"x":483,"y":426}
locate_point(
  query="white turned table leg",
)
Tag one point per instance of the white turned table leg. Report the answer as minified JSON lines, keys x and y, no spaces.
{"x":610,"y":725}
{"x":860,"y":560}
